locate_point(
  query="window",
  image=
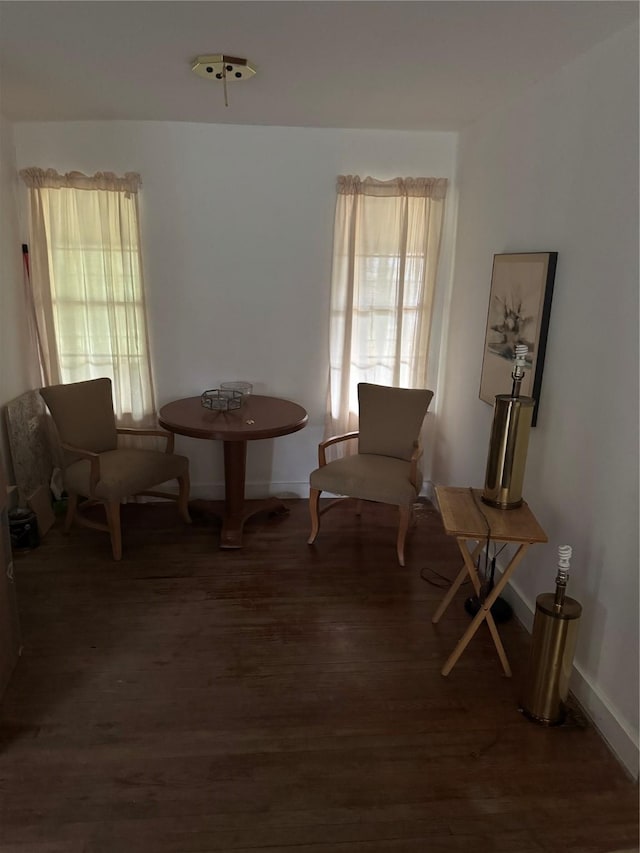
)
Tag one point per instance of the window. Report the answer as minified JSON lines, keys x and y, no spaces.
{"x":86,"y":278}
{"x":386,"y":246}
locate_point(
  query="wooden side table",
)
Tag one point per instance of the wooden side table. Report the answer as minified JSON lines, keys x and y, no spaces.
{"x":471,"y":521}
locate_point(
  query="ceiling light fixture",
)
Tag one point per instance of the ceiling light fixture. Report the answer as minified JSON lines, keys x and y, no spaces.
{"x":217,"y":66}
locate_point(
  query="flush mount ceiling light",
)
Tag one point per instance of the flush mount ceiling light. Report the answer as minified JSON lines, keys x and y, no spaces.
{"x":219,"y":67}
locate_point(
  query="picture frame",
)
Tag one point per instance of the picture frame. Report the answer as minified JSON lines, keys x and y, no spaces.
{"x":518,"y":313}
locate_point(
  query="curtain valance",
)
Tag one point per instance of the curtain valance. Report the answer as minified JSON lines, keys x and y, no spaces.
{"x":395,"y":188}
{"x":50,"y":179}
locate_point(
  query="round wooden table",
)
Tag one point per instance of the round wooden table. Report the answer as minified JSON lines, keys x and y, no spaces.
{"x":258,"y":417}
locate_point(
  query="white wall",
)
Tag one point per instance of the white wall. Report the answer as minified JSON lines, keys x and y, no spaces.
{"x":558,"y":171}
{"x":237,"y":228}
{"x":17,"y":365}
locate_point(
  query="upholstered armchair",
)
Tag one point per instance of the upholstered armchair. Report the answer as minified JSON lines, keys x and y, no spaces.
{"x":96,"y":469}
{"x":386,"y":467}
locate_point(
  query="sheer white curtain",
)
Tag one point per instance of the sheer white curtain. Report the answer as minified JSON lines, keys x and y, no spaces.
{"x":87,"y":285}
{"x":385,"y":257}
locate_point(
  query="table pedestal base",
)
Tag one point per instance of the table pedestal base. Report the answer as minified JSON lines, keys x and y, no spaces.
{"x":233,"y":524}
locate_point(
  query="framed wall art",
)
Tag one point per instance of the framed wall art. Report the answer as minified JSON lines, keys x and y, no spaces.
{"x":519,"y":309}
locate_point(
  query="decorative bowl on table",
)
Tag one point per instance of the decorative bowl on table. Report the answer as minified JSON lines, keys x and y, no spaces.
{"x":221,"y":399}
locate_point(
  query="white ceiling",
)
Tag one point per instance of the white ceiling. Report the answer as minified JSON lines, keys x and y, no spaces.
{"x":387,"y":65}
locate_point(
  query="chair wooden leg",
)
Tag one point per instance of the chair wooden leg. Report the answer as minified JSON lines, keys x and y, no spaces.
{"x":405,"y":520}
{"x":72,"y":505}
{"x":183,"y":498}
{"x":112,"y":510}
{"x":314,"y":502}
{"x":358,"y":507}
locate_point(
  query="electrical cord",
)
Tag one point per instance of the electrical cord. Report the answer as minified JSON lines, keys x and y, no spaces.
{"x":443,"y":582}
{"x":487,"y":583}
{"x":489,"y":573}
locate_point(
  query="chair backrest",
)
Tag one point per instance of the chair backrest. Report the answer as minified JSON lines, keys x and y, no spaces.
{"x":390,"y":419}
{"x":83,"y":414}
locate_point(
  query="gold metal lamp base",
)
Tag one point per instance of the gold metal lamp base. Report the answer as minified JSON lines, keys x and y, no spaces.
{"x":551,"y":658}
{"x":508,"y":451}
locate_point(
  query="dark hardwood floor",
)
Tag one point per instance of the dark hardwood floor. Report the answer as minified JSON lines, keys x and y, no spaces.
{"x":282,"y":698}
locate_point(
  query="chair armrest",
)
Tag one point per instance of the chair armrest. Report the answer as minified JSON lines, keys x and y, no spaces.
{"x":94,"y":459}
{"x":157,"y":432}
{"x":415,"y":458}
{"x":322,"y":458}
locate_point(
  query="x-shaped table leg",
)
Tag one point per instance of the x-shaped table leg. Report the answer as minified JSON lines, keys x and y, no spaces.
{"x":484,"y":613}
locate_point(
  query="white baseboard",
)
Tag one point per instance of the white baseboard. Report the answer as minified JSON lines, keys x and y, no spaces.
{"x":613,"y":729}
{"x":253,"y":490}
{"x":257,"y":490}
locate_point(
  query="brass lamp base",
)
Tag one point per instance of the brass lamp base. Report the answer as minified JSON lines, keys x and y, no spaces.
{"x":501,"y":504}
{"x":508,"y":451}
{"x":551,"y":658}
